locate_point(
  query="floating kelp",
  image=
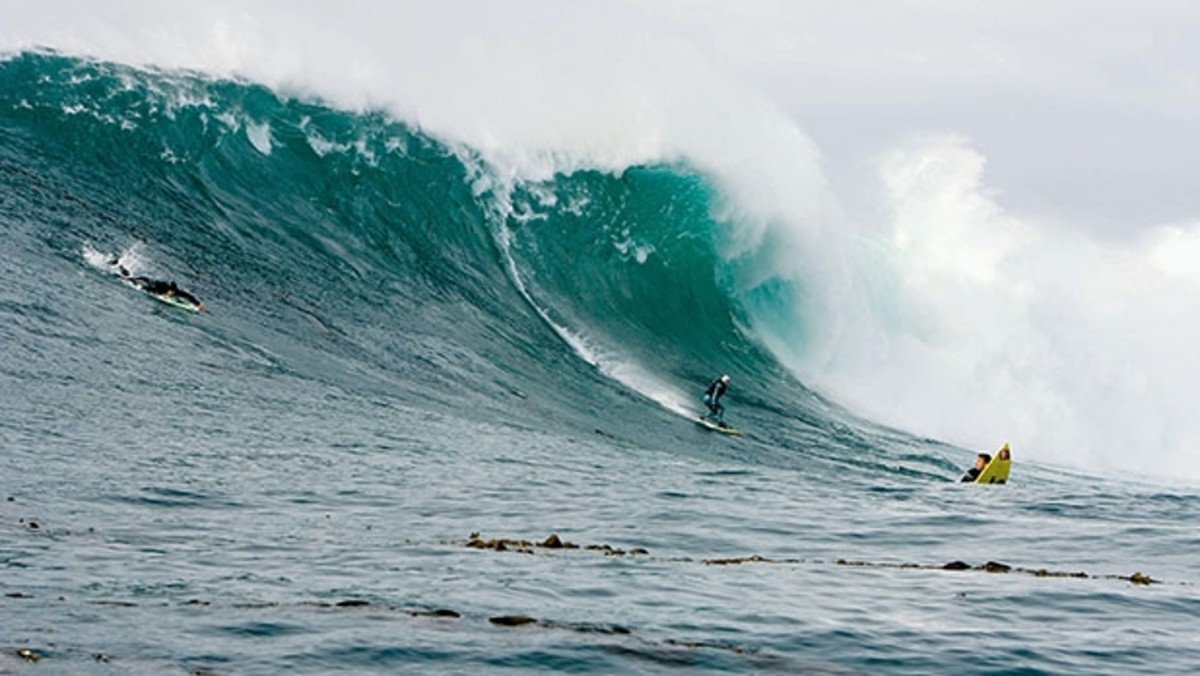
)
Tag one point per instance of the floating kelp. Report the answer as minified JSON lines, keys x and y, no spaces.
{"x":512,"y":620}
{"x":746,"y":559}
{"x":553,"y":541}
{"x":663,"y":650}
{"x":1138,"y":578}
{"x":996,"y":567}
{"x":438,"y":612}
{"x":706,"y":644}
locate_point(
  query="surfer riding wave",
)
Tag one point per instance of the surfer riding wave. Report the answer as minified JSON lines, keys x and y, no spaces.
{"x":712,"y":399}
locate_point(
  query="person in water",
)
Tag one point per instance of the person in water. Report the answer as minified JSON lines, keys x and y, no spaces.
{"x":712,"y":399}
{"x":160,"y":288}
{"x":972,"y":474}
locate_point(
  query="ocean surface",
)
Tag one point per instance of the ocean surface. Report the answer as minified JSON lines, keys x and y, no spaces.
{"x":412,"y":373}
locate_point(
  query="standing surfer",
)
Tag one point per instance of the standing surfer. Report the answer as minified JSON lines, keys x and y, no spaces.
{"x":712,"y":399}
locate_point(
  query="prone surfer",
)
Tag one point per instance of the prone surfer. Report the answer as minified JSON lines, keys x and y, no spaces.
{"x":712,"y":399}
{"x":159,"y":287}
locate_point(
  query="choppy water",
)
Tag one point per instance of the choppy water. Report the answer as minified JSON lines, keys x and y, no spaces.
{"x":400,"y":352}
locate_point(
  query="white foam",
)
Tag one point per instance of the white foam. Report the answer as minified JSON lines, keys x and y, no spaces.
{"x":260,"y":137}
{"x":607,"y":360}
{"x":132,"y":258}
{"x":1074,"y":349}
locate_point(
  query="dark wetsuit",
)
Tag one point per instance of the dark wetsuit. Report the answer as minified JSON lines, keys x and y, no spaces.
{"x":973,"y":473}
{"x":712,"y":398}
{"x":154,"y":286}
{"x":160,"y":288}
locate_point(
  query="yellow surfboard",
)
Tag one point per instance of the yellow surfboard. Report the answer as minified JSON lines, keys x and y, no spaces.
{"x":996,"y":471}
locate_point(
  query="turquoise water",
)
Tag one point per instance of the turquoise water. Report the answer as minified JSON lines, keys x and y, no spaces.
{"x":400,"y":352}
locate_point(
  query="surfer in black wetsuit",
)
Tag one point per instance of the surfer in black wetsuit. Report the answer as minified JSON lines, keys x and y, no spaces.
{"x":160,"y":288}
{"x":712,"y":399}
{"x":972,"y":474}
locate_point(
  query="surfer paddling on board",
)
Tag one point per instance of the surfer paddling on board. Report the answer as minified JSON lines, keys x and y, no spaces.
{"x":158,"y":287}
{"x":712,"y":399}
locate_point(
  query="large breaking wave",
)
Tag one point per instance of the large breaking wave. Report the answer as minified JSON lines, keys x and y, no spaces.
{"x":658,"y":265}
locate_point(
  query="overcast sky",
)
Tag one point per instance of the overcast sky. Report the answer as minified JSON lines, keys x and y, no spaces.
{"x":1088,"y":112}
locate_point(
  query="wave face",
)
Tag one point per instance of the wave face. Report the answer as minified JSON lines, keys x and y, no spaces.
{"x":354,"y":249}
{"x":405,"y":343}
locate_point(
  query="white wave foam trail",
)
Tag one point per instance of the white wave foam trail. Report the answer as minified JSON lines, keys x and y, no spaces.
{"x":608,"y":361}
{"x":132,"y":258}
